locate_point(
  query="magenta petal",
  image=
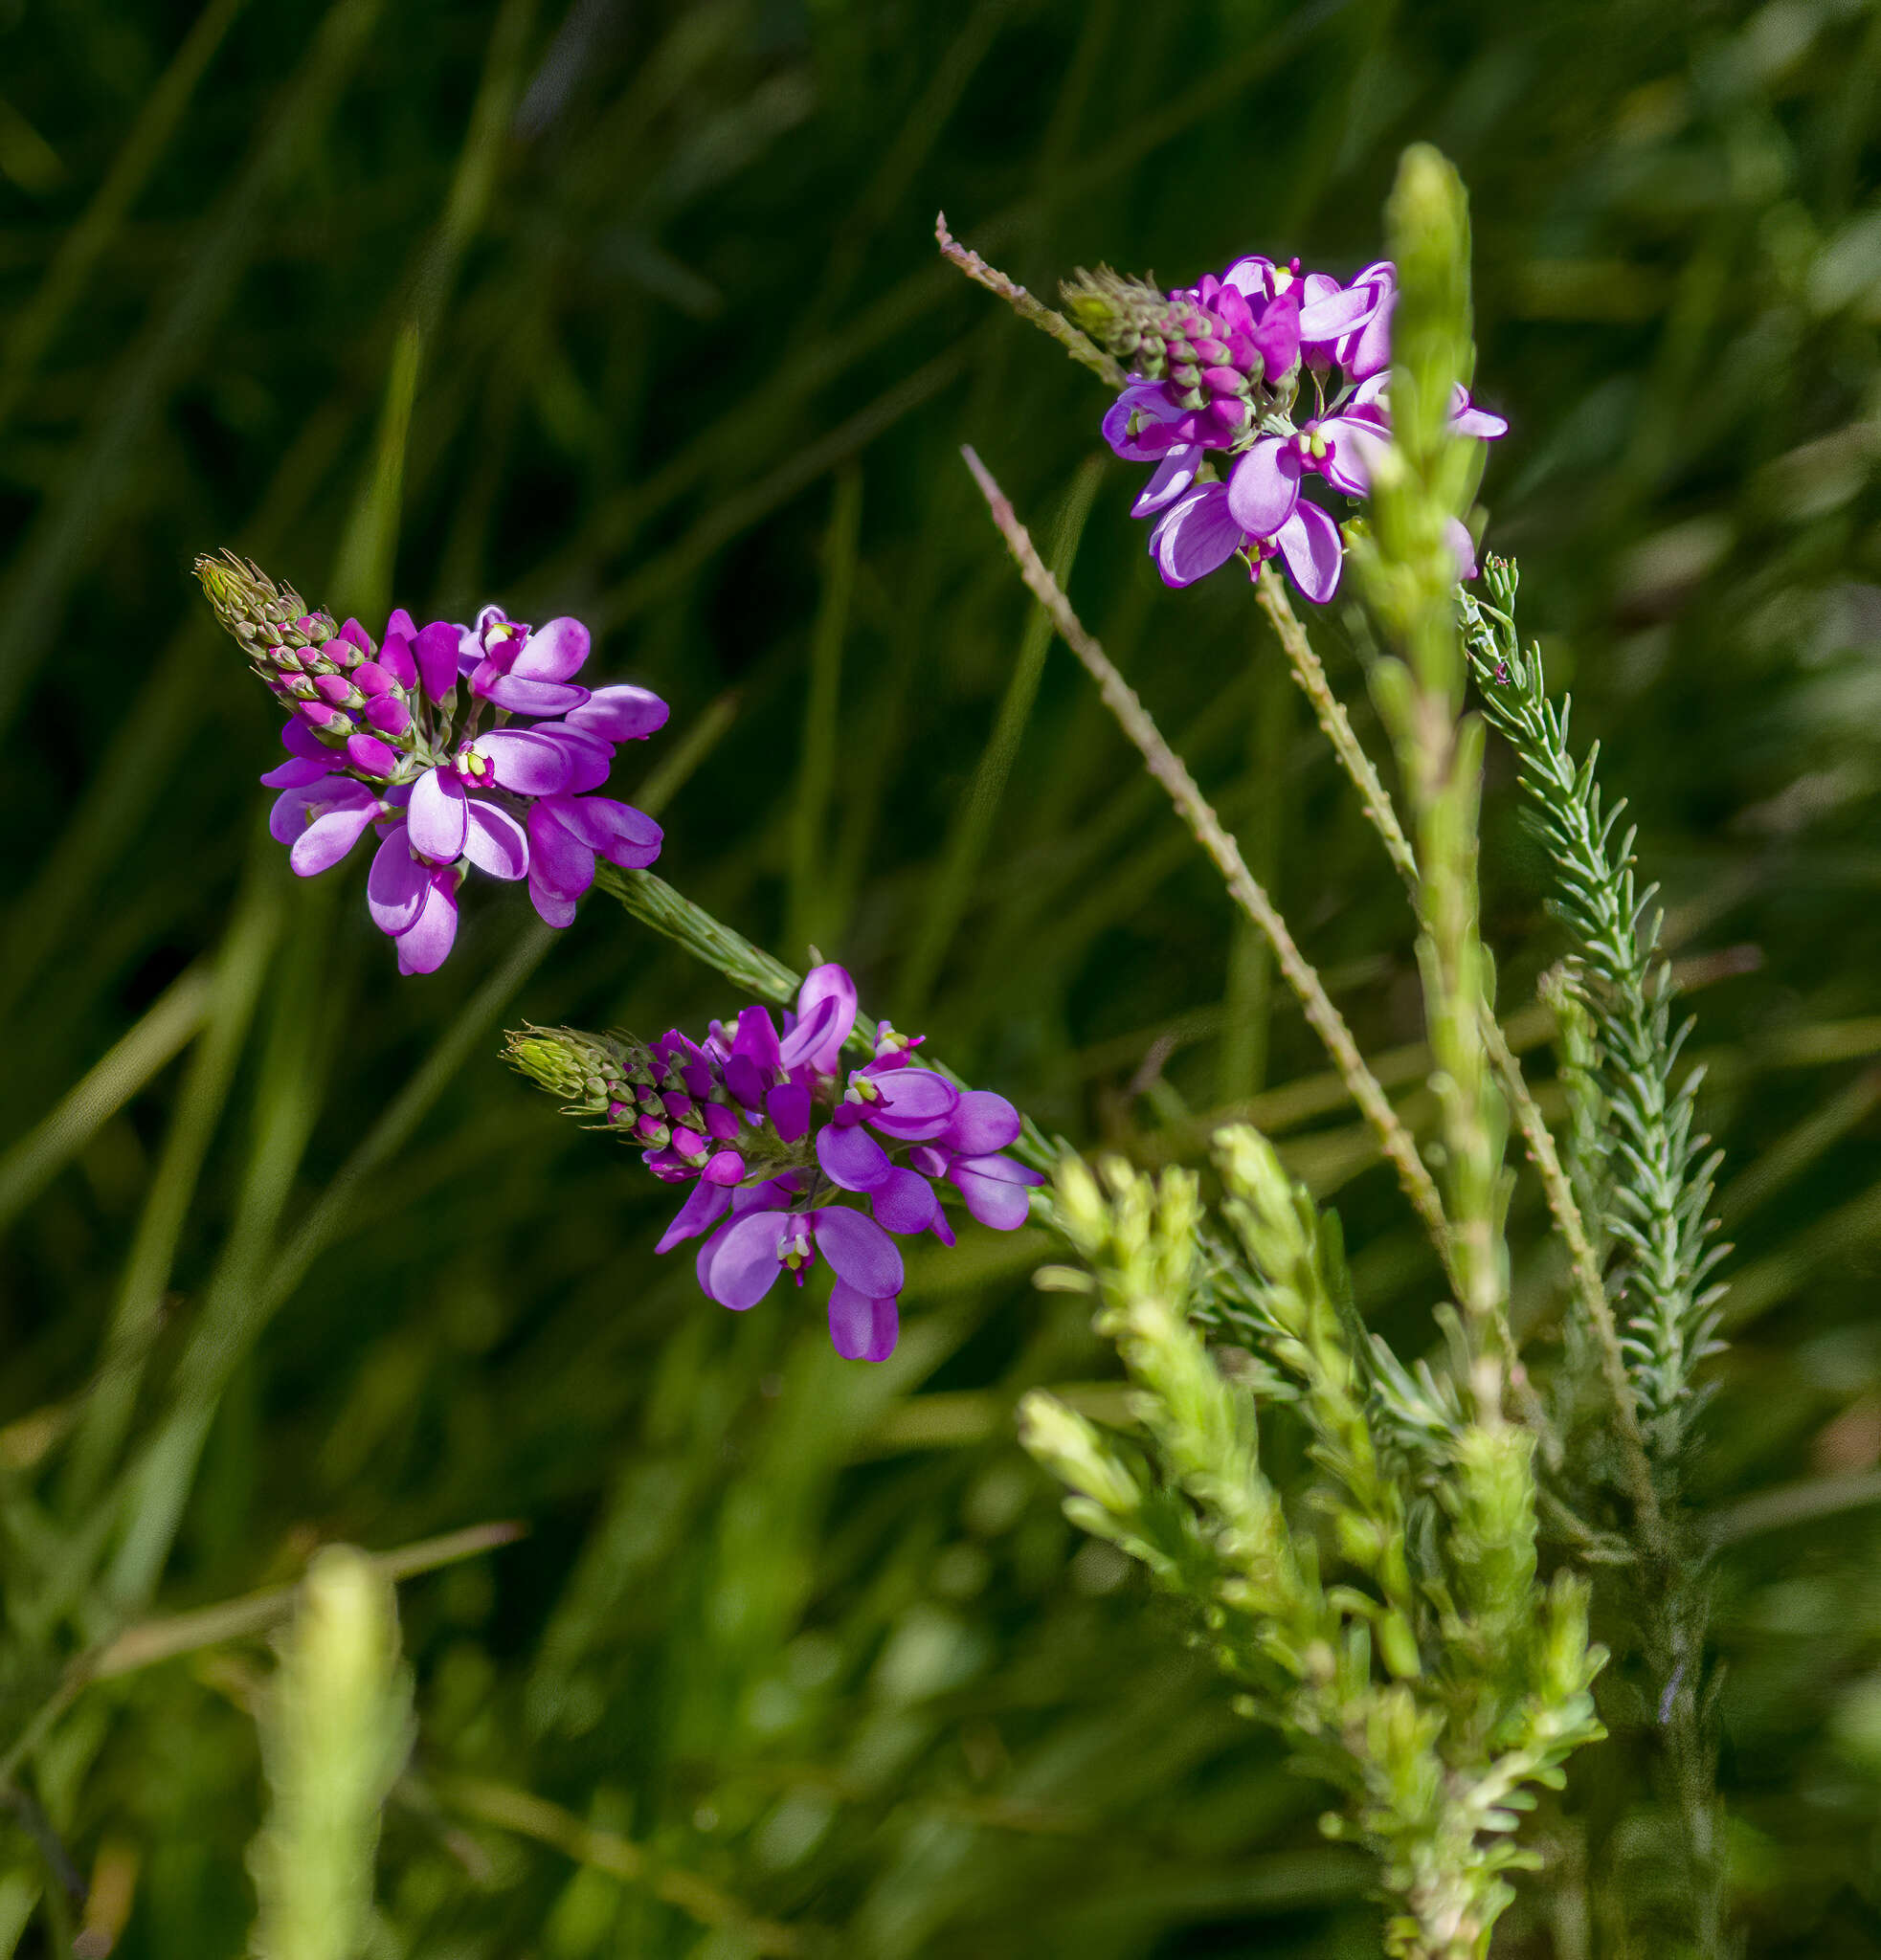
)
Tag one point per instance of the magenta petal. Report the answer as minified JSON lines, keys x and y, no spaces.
{"x":296,"y":772}
{"x":903,"y":1202}
{"x":1326,"y":315}
{"x":621,"y":713}
{"x":1171,"y":478}
{"x":553,"y":652}
{"x":739,"y":1265}
{"x":756,"y":1037}
{"x":371,"y":756}
{"x":1252,"y":277}
{"x":298,"y":739}
{"x":521,"y":696}
{"x":1265,"y":487}
{"x":858,"y":1251}
{"x":1462,"y":547}
{"x":1346,"y":467}
{"x":1194,"y":535}
{"x":436,"y":815}
{"x":425,"y":945}
{"x":1467,"y":419}
{"x":555,"y":908}
{"x":862,"y":1328}
{"x":616,"y":831}
{"x":788,"y":1107}
{"x":589,"y":758}
{"x":330,"y":835}
{"x":395,"y":885}
{"x":851,"y":1158}
{"x":705,"y":1205}
{"x":723,"y":1168}
{"x":1310,"y":544}
{"x":523,"y":760}
{"x":494,"y":842}
{"x":823,"y":1049}
{"x":983,"y":1123}
{"x":1146,"y":404}
{"x":745,"y":1081}
{"x":993,"y":1200}
{"x":436,"y":650}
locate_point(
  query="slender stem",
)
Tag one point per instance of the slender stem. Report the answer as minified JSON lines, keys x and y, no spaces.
{"x":1586,"y":1268}
{"x":1167,"y":768}
{"x":1270,"y":594}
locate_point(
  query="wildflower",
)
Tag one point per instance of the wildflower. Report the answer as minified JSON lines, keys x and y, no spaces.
{"x":393,"y":738}
{"x":790,"y":1161}
{"x":1295,"y":386}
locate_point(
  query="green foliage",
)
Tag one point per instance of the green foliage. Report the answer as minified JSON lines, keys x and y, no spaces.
{"x":791,"y":1654}
{"x":1647,"y":1179}
{"x":1432,"y":1701}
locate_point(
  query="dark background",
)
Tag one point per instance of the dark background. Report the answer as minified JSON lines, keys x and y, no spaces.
{"x":812,"y":1631}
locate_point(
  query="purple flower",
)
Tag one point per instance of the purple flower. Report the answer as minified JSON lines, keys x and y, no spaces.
{"x":394,"y":737}
{"x":1313,"y":359}
{"x":787,"y":1160}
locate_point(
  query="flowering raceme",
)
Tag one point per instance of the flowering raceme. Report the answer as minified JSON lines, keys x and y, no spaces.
{"x":456,"y":745}
{"x":787,"y":1160}
{"x":1280,"y":375}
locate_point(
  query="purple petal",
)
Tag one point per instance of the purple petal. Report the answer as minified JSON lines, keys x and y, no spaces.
{"x":618,"y":832}
{"x":1149,"y":406}
{"x":1195,"y":536}
{"x":851,"y":1158}
{"x":1346,"y":467}
{"x":1462,"y":547}
{"x":1171,"y":477}
{"x":371,"y":756}
{"x":494,"y":842}
{"x":858,"y":1250}
{"x":739,"y":1264}
{"x":395,"y":655}
{"x":298,"y":739}
{"x":425,"y":945}
{"x":756,"y":1036}
{"x":1326,"y":315}
{"x":553,"y":907}
{"x":388,"y":715}
{"x":913,"y":1103}
{"x":819,"y":1042}
{"x":788,"y":1107}
{"x":996,"y":1200}
{"x":621,"y":713}
{"x":1367,"y":351}
{"x":862,"y":1328}
{"x":335,"y":828}
{"x":436,"y":650}
{"x":552,"y":653}
{"x":521,"y":696}
{"x":589,"y":757}
{"x":520,"y":759}
{"x":558,"y":859}
{"x":723,"y":1167}
{"x":705,"y":1205}
{"x":745,"y":1081}
{"x":1467,"y":419}
{"x":1265,"y":487}
{"x":1313,"y":550}
{"x":436,"y":815}
{"x":1252,"y":277}
{"x":395,"y":885}
{"x":296,"y":772}
{"x":1276,"y":335}
{"x":903,"y":1202}
{"x":982,"y":1123}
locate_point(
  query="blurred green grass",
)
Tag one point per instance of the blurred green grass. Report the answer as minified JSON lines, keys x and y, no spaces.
{"x":635,"y":312}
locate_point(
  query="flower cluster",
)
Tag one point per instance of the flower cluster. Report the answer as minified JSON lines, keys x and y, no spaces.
{"x":788,"y":1159}
{"x":456,"y":745}
{"x":1282,"y":374}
